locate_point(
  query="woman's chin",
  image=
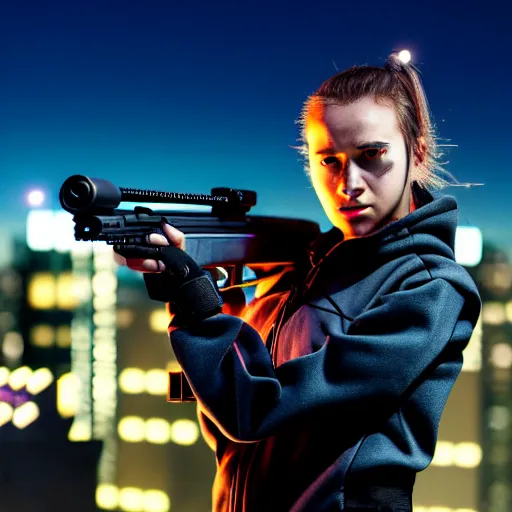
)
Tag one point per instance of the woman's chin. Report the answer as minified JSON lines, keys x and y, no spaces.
{"x":355,"y":229}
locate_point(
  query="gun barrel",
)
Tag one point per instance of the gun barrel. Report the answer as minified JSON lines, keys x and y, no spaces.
{"x":81,"y":194}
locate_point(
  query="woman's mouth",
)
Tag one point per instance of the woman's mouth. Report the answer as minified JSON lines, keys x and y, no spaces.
{"x":352,"y":212}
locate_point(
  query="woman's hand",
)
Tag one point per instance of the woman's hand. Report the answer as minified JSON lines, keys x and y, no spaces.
{"x":172,"y":236}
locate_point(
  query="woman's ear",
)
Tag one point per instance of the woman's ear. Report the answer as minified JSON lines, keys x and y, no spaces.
{"x":420,"y":151}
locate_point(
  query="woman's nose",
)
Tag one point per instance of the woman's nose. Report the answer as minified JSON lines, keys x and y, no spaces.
{"x":350,"y":182}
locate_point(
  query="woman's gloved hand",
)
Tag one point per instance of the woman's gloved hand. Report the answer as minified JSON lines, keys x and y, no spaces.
{"x":189,"y":290}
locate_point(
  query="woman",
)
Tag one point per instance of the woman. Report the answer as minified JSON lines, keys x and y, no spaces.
{"x":365,"y":349}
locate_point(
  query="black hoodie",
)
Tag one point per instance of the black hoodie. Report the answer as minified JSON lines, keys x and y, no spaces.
{"x":345,"y":411}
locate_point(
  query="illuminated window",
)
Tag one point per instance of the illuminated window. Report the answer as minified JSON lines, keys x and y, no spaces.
{"x":131,"y":499}
{"x":66,"y":298}
{"x":4,"y":375}
{"x":64,"y":232}
{"x":508,"y":311}
{"x":125,"y":317}
{"x":473,"y":351}
{"x":18,"y":378}
{"x":39,"y":229}
{"x":156,"y":501}
{"x":136,"y":380}
{"x":41,"y":292}
{"x":463,"y":455}
{"x":63,"y":336}
{"x":157,"y":381}
{"x":132,"y":381}
{"x":82,"y":287}
{"x":110,"y":497}
{"x":501,"y":355}
{"x":158,"y":431}
{"x":39,"y":381}
{"x":101,"y":318}
{"x":184,"y":432}
{"x":104,"y":282}
{"x":468,"y":246}
{"x":107,"y":496}
{"x":42,"y":335}
{"x":493,"y":313}
{"x":12,"y":346}
{"x":159,"y":320}
{"x":132,"y":429}
{"x":25,"y":414}
{"x":6,"y":412}
{"x":67,"y":395}
{"x":499,"y":417}
{"x":105,"y":301}
{"x":467,"y":455}
{"x":80,"y":431}
{"x":443,"y":455}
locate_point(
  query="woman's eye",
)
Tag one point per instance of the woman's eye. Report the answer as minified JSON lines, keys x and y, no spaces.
{"x":330,"y":160}
{"x":373,"y":153}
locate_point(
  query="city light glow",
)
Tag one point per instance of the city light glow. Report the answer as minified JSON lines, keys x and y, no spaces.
{"x":132,"y":429}
{"x":135,"y":429}
{"x":39,"y":381}
{"x":35,"y":197}
{"x":157,"y":381}
{"x":19,"y":377}
{"x":135,"y":381}
{"x":132,"y":499}
{"x":159,"y":320}
{"x":184,"y":432}
{"x":463,"y":455}
{"x":12,"y":346}
{"x":107,"y":496}
{"x":68,"y":395}
{"x":158,"y":431}
{"x":25,"y":414}
{"x":6,"y":412}
{"x":132,"y":381}
{"x":468,"y":246}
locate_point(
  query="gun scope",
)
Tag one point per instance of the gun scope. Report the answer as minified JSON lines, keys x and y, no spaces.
{"x":81,"y":194}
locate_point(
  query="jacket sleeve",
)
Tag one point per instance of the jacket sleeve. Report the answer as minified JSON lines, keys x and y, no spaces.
{"x":369,"y":368}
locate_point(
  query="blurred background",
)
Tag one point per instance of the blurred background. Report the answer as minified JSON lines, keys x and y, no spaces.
{"x":183,"y":97}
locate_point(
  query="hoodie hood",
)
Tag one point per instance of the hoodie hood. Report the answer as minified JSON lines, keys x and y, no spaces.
{"x":435,"y":215}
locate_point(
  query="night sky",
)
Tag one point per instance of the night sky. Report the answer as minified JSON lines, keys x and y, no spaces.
{"x":185,"y":96}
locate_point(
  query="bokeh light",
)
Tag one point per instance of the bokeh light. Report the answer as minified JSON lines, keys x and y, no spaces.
{"x":405,"y":56}
{"x":35,"y":197}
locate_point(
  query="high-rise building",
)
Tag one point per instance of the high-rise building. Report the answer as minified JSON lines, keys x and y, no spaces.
{"x":36,"y":309}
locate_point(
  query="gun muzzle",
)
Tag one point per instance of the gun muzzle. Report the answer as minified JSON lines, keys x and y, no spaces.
{"x":80,"y":194}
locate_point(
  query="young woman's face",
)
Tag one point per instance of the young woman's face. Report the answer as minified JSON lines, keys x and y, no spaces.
{"x":358,"y":157}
